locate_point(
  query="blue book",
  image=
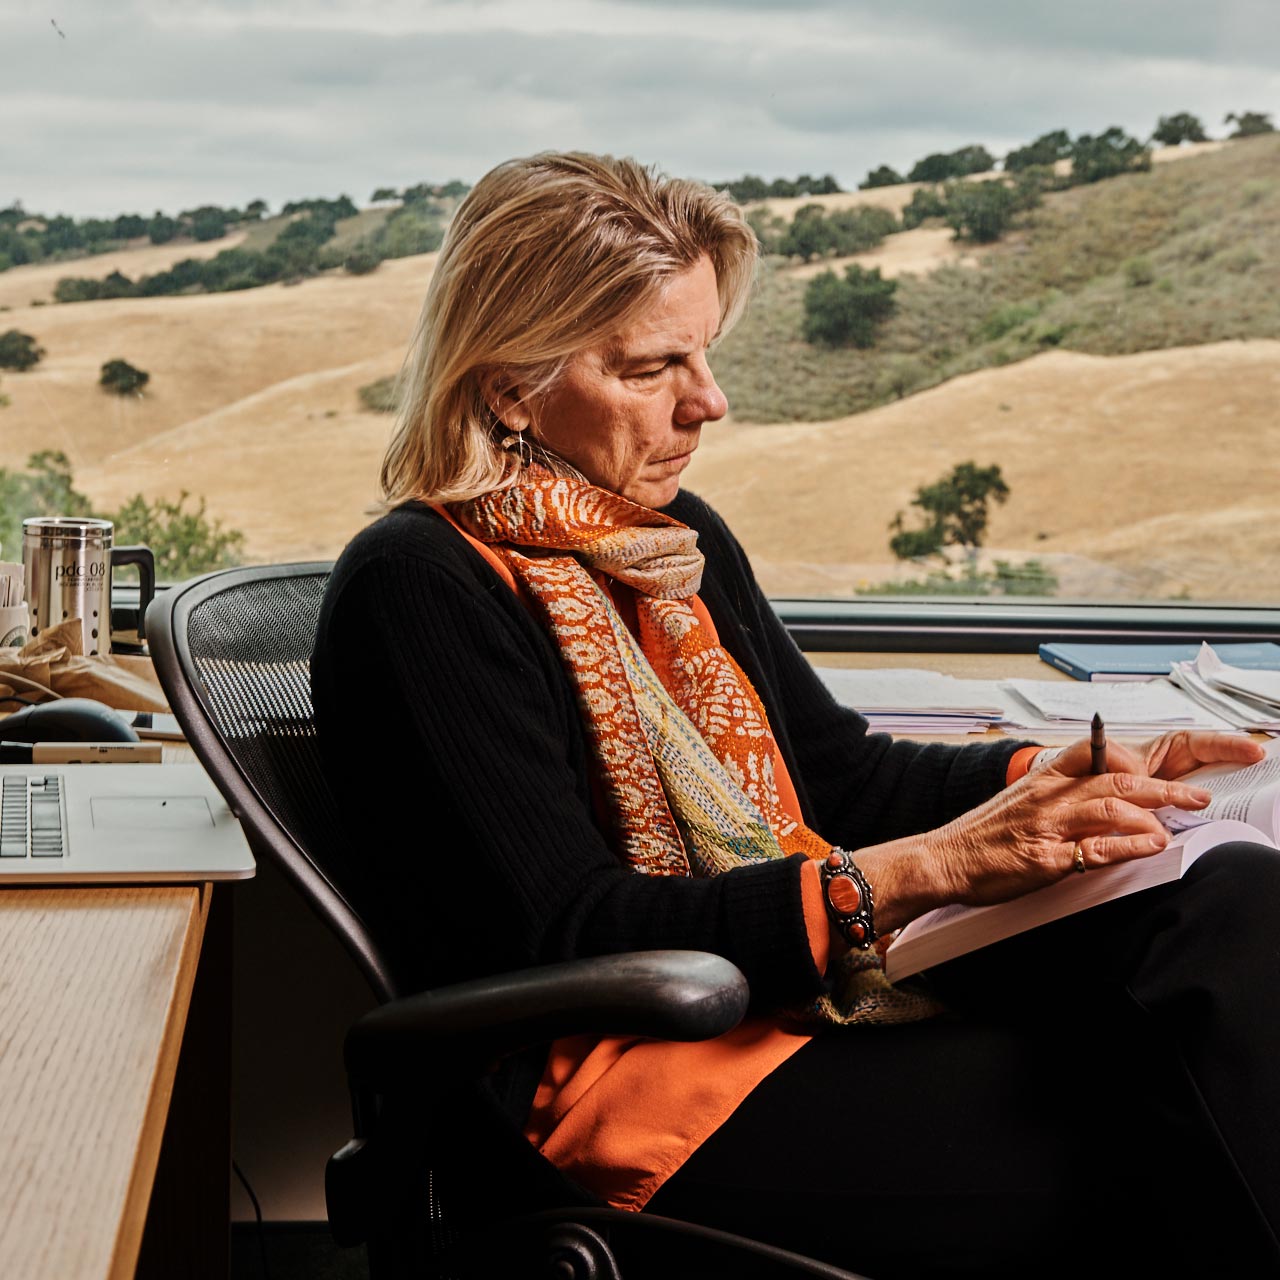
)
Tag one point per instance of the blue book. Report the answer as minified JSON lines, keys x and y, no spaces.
{"x":1146,"y":661}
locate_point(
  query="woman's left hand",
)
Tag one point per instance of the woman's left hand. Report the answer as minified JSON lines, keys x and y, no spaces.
{"x":1172,"y":755}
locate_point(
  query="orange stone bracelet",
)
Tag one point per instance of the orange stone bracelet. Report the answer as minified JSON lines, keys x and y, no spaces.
{"x":850,"y":903}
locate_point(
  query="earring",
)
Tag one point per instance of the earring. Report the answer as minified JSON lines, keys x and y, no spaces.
{"x":516,"y":443}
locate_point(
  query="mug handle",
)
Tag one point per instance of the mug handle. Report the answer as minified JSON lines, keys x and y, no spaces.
{"x":146,"y":562}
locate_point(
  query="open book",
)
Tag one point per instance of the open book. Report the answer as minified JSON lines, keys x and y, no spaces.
{"x":1245,"y":806}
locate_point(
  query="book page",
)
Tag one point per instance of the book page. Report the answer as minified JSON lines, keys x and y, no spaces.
{"x":950,"y":931}
{"x":1251,"y":795}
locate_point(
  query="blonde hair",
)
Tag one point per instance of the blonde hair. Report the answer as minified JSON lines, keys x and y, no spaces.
{"x":546,"y":257}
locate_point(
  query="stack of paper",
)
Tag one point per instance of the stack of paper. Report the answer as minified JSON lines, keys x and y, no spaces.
{"x":1054,"y":707}
{"x":909,"y":701}
{"x":1245,"y":699}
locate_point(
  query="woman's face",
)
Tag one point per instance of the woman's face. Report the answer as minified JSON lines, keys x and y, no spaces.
{"x":629,"y":412}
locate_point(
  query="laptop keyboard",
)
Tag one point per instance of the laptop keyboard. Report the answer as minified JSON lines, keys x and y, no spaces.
{"x":32,"y":821}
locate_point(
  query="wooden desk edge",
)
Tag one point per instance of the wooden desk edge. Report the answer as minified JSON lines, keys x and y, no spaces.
{"x":128,"y":1242}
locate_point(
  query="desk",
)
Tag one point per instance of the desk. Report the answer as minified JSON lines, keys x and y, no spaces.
{"x":97,"y":988}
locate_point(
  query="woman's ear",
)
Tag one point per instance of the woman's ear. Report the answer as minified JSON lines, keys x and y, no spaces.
{"x":505,"y":397}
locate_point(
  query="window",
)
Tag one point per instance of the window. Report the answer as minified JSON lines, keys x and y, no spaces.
{"x":1013,"y":348}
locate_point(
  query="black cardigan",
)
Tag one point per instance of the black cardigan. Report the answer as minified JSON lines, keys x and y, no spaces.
{"x":476,"y":850}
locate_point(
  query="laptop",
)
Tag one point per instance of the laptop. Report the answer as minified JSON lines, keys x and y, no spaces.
{"x":116,"y":824}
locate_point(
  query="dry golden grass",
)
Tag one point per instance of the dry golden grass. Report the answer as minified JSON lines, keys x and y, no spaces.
{"x":204,"y":353}
{"x":1147,"y":475}
{"x":905,"y":253}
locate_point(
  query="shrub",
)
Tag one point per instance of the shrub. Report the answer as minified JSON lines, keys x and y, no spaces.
{"x":19,"y":351}
{"x":1044,"y":152}
{"x":1110,"y":153}
{"x":359,"y":262}
{"x":1250,"y":123}
{"x":884,"y":176}
{"x":927,"y":202}
{"x":123,"y":378}
{"x":979,"y":211}
{"x":1172,"y":131}
{"x":382,"y":396}
{"x":848,"y":312}
{"x":1007,"y":318}
{"x":1138,"y":272}
{"x":184,"y":542}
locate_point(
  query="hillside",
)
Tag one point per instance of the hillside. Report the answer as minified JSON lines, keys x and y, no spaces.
{"x":1188,"y":253}
{"x":1119,"y":463}
{"x":1145,"y":476}
{"x":204,"y":353}
{"x":21,"y":286}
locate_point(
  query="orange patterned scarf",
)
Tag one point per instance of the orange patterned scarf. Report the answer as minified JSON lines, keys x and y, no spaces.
{"x":680,"y":740}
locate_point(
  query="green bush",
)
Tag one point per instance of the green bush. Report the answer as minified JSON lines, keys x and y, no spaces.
{"x":1172,"y":131}
{"x":183,"y":542}
{"x":123,"y":378}
{"x":19,"y":351}
{"x":359,"y":262}
{"x":925,"y":202}
{"x":1110,"y":153}
{"x":979,"y":211}
{"x":884,"y":176}
{"x":382,"y":396}
{"x":1006,"y":318}
{"x":1138,"y":272}
{"x":848,"y":312}
{"x":1250,"y":123}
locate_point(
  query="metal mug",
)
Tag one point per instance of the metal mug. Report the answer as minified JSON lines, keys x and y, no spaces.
{"x":67,"y":562}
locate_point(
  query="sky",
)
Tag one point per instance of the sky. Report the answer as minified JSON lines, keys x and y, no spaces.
{"x":113,"y":106}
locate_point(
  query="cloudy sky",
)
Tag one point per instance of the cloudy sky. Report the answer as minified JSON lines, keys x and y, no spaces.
{"x":132,"y":105}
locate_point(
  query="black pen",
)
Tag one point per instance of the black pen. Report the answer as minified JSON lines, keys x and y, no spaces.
{"x":1097,"y":746}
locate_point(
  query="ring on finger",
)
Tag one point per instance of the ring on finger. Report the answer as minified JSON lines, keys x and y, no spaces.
{"x":1077,"y":859}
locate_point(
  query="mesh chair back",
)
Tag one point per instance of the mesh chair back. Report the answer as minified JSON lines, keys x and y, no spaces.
{"x":232,"y":650}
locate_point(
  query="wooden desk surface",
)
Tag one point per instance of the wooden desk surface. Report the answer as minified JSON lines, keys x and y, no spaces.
{"x":94,"y":994}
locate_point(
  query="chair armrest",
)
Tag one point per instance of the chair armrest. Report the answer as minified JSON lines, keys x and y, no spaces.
{"x":468,"y":1027}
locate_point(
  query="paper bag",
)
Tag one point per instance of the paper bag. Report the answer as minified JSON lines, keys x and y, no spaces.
{"x":53,"y":660}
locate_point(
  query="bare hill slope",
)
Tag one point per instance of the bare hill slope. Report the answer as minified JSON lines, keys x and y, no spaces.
{"x":204,"y":353}
{"x":1142,"y":475}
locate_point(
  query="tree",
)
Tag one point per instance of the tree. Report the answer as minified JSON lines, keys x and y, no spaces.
{"x":162,"y":228}
{"x":256,"y":209}
{"x":122,"y":378}
{"x":384,"y":193}
{"x":927,"y":202}
{"x":956,"y":513}
{"x":884,"y":176}
{"x":1047,"y":149}
{"x":208,"y":223}
{"x":848,"y":312}
{"x":183,"y":542}
{"x":808,"y":236}
{"x":19,"y":351}
{"x":980,"y":211}
{"x":1110,"y":153}
{"x":1250,"y":123}
{"x":954,"y":164}
{"x":1174,"y":130}
{"x":360,"y":261}
{"x":43,"y":489}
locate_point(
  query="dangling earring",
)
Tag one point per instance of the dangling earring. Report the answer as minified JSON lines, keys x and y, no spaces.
{"x":516,"y":443}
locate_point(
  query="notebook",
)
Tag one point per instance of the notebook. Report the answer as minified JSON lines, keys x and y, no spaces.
{"x":1145,"y":661}
{"x":117,"y":823}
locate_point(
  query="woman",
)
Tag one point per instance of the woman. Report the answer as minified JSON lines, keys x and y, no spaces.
{"x":595,"y":736}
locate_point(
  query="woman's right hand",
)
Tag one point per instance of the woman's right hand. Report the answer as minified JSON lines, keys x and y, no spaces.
{"x":1024,"y":837}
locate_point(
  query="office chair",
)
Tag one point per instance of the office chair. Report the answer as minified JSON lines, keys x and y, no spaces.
{"x":436,"y":1181}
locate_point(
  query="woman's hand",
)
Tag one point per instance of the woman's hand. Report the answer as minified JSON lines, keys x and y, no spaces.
{"x":1026,"y":835}
{"x":1171,"y":755}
